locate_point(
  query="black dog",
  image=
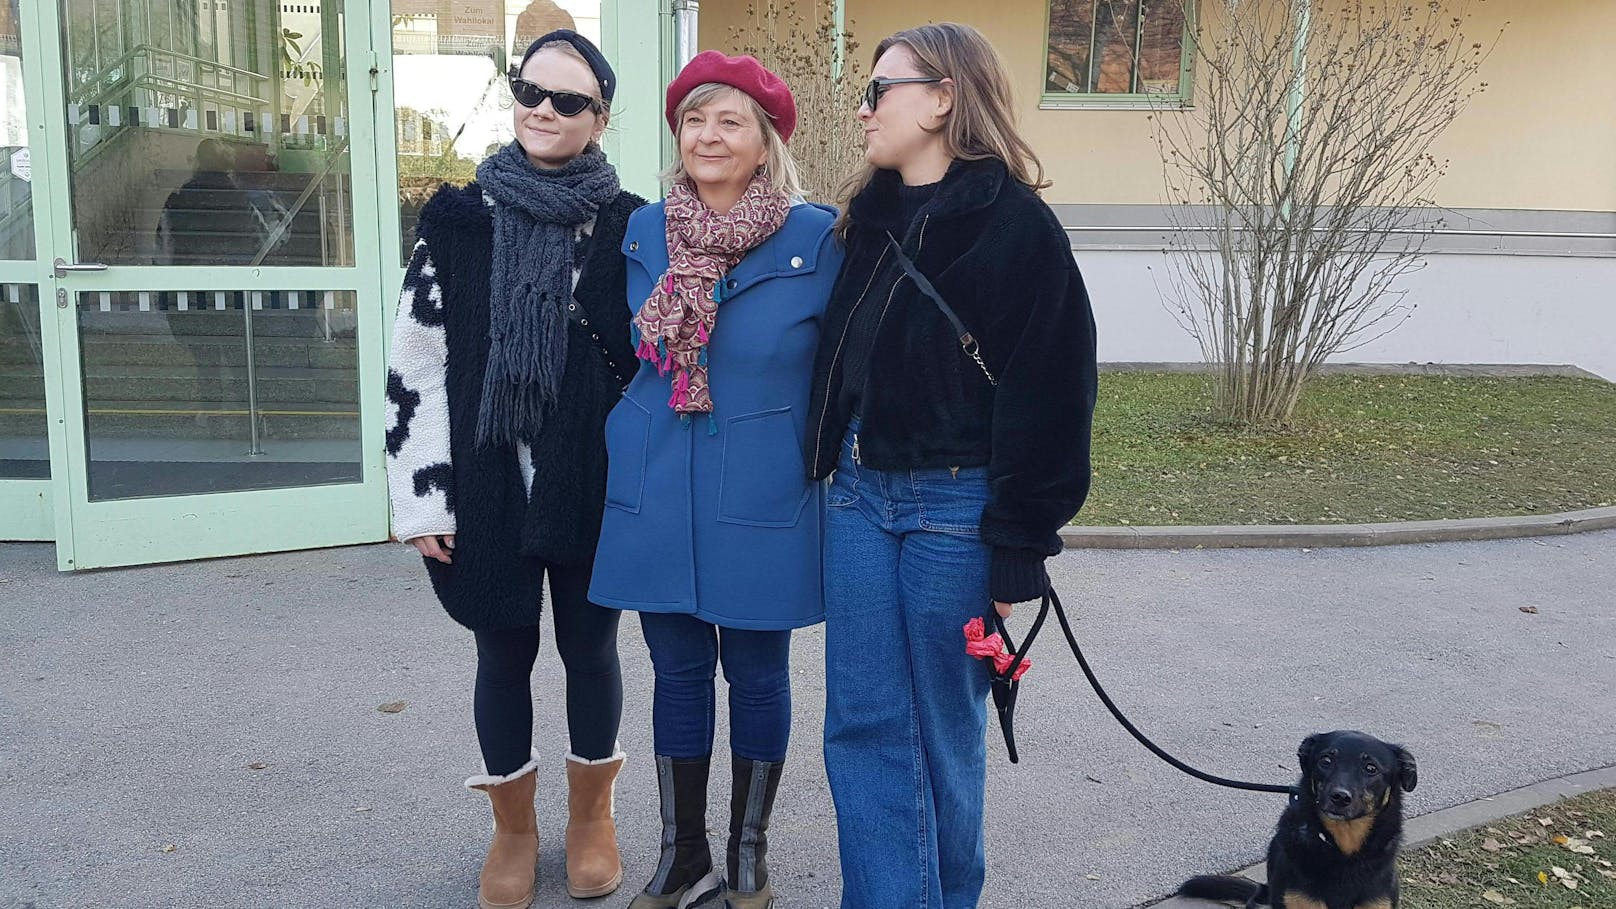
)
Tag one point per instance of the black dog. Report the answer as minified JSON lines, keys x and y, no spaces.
{"x":1336,"y":845}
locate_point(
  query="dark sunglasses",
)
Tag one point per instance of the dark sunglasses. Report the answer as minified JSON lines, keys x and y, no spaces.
{"x":879,"y":87}
{"x":567,"y":104}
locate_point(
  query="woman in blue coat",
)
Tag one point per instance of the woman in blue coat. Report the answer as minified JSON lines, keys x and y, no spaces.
{"x":712,"y":531}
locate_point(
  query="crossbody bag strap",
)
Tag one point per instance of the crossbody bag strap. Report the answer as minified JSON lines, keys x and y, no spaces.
{"x":967,"y":341}
{"x":578,"y":315}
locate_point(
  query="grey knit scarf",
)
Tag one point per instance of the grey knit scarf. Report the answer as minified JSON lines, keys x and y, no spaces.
{"x":536,"y":216}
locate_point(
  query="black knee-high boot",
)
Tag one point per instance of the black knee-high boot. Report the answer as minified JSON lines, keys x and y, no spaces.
{"x":752,"y":789}
{"x":685,"y":874}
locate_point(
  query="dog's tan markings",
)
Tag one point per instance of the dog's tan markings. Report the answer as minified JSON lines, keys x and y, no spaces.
{"x":1382,"y":903}
{"x":1296,"y":899}
{"x":1349,"y":836}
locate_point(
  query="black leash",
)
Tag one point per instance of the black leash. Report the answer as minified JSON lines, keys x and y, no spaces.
{"x":1006,"y":687}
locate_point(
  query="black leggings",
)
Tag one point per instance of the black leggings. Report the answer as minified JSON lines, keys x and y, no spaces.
{"x":586,"y":637}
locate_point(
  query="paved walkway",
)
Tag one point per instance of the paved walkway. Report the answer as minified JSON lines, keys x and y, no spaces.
{"x":132,"y":703}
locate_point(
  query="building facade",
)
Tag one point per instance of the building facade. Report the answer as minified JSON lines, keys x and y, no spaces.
{"x":205,"y":206}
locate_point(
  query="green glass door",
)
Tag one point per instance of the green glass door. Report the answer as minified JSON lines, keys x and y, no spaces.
{"x":25,"y":512}
{"x":214,"y":266}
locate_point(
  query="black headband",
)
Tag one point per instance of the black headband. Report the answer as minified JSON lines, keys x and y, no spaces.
{"x":586,"y":49}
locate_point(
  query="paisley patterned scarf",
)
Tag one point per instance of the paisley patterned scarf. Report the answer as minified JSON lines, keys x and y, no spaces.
{"x":676,"y":323}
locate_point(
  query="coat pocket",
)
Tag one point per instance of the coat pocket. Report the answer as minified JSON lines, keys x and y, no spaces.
{"x":763,"y":482}
{"x":628,"y":441}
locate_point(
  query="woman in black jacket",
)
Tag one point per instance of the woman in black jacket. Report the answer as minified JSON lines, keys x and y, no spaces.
{"x":510,"y":347}
{"x":954,"y":460}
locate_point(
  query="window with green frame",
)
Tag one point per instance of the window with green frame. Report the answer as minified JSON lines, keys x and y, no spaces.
{"x":1117,"y":50}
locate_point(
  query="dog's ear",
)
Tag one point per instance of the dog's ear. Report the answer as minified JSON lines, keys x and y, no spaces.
{"x":1408,"y":772}
{"x":1304,"y":754}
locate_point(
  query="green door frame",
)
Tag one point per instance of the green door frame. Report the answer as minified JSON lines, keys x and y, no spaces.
{"x":92,"y":534}
{"x":136,"y":531}
{"x":28,"y":506}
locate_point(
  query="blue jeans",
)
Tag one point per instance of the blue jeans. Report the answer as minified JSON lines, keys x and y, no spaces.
{"x":905,"y":707}
{"x":685,"y":654}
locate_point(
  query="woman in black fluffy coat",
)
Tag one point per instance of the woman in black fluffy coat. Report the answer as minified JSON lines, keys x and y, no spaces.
{"x":510,"y":347}
{"x":954,"y":462}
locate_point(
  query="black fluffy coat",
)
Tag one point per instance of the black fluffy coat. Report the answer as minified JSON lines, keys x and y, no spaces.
{"x":1001,"y":259}
{"x":503,"y":539}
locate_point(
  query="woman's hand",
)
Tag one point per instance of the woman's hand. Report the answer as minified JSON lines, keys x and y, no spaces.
{"x":430,"y":547}
{"x":1004,"y":609}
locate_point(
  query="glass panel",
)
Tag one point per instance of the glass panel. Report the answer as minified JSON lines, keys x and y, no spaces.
{"x":16,"y":170}
{"x":208,"y":133}
{"x":212,"y":391}
{"x":1115,"y":47}
{"x":24,"y":450}
{"x":450,"y":102}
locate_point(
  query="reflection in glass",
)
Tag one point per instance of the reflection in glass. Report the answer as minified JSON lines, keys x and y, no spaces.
{"x":213,"y":391}
{"x":24,"y":449}
{"x":450,"y":103}
{"x":16,"y":163}
{"x":208,"y":133}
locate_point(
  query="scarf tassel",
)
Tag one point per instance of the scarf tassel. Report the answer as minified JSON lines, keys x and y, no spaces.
{"x":681,"y":391}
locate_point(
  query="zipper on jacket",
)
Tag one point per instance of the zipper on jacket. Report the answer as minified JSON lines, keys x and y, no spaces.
{"x":819,"y":435}
{"x":855,"y":448}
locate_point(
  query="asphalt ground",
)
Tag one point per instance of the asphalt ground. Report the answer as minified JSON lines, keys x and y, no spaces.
{"x":135,"y":703}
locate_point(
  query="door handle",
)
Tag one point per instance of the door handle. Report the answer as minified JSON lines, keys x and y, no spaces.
{"x":63,"y":267}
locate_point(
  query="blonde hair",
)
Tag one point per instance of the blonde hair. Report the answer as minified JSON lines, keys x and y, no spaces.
{"x":982,"y":123}
{"x":779,"y":167}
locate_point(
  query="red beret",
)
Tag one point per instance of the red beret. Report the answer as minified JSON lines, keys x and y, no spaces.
{"x":743,"y":73}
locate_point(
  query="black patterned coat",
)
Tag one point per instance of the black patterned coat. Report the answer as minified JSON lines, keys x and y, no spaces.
{"x":512,"y":509}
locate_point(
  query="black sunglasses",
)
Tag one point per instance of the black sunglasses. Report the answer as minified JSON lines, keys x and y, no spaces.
{"x":567,"y":104}
{"x":879,"y":87}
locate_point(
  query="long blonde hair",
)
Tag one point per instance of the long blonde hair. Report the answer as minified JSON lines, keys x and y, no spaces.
{"x":982,"y":123}
{"x":779,"y":167}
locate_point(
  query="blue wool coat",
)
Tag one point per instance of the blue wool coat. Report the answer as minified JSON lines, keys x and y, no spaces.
{"x":719,"y":520}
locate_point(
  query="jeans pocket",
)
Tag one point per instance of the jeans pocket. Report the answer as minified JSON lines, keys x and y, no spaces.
{"x":841,"y":487}
{"x":951,"y":504}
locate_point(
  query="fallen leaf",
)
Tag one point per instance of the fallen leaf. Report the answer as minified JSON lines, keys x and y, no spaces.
{"x":257,"y":765}
{"x":170,"y":847}
{"x":1092,"y":877}
{"x":392,"y":707}
{"x":1529,"y":610}
{"x":1491,"y":845}
{"x":1594,"y":834}
{"x":1542,"y":877}
{"x":1546,"y":821}
{"x":1493,"y":896}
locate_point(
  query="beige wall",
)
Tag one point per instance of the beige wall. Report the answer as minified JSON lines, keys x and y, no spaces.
{"x":1541,"y":137}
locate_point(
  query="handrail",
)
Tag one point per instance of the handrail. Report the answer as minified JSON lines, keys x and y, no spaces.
{"x":247,"y":313}
{"x":83,"y":97}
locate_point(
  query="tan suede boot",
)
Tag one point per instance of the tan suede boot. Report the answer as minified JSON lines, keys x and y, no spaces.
{"x":594,"y":867}
{"x":506,"y":881}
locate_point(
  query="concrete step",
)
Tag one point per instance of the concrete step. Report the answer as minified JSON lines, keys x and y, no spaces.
{"x":191,"y":383}
{"x":228,"y":323}
{"x":144,"y":419}
{"x":197,"y":350}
